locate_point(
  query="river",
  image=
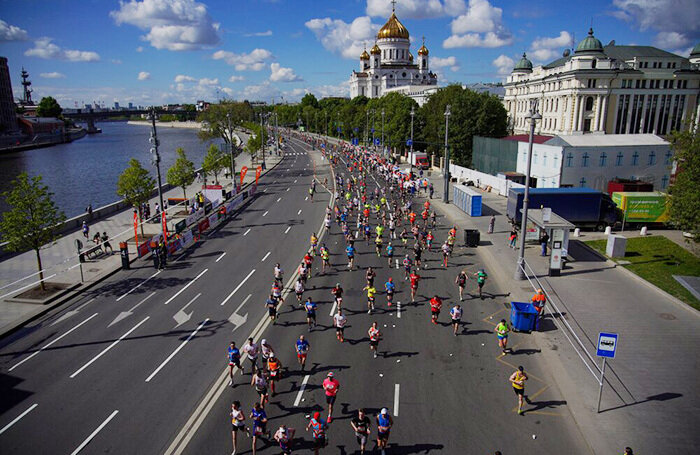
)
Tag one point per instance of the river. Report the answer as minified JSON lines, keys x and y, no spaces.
{"x":86,"y":171}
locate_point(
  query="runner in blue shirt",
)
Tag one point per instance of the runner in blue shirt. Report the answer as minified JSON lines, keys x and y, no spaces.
{"x":259,"y":423}
{"x":302,"y":348}
{"x":350,"y":251}
{"x":234,"y":359}
{"x":390,"y":252}
{"x":390,"y":288}
{"x":318,"y":427}
{"x":310,"y":313}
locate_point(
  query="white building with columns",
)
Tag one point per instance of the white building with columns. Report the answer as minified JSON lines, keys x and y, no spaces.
{"x":390,"y":66}
{"x":606,"y":90}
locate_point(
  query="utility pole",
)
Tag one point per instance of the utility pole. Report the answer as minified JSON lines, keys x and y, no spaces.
{"x":262,"y":137}
{"x":533,"y":116}
{"x":446,"y":169}
{"x":155,"y":156}
{"x":277,"y":135}
{"x":233,"y":163}
{"x":383,"y":148}
{"x":410,"y":160}
{"x":367,"y":130}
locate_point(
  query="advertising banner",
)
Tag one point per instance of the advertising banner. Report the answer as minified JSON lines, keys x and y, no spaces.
{"x":258,"y":171}
{"x":165,"y":226}
{"x":244,"y":171}
{"x":136,"y":228}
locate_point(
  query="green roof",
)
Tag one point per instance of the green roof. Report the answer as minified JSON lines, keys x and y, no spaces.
{"x":629,"y":52}
{"x":696,"y":50}
{"x":589,"y":44}
{"x":523,"y":64}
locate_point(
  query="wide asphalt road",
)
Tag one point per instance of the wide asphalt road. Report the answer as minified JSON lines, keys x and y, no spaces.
{"x":447,"y":394}
{"x":121,"y":369}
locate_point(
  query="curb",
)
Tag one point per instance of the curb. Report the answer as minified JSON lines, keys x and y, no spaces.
{"x":24,"y":320}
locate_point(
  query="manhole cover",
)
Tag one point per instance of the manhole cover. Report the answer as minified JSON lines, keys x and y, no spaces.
{"x":667,"y":316}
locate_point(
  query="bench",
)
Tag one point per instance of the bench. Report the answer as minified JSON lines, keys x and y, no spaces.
{"x":93,"y":252}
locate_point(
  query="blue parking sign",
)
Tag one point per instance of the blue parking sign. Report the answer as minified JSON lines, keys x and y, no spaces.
{"x":409,"y":142}
{"x":607,"y":344}
{"x":377,"y":141}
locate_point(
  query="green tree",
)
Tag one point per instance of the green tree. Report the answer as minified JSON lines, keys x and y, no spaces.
{"x":182,"y":172}
{"x":48,"y":107}
{"x":684,"y":193}
{"x":214,"y":162}
{"x":135,"y":185}
{"x":254,"y":142}
{"x":221,"y":120}
{"x":32,"y":218}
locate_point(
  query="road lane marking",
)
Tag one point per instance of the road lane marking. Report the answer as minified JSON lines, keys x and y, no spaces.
{"x":268,"y":253}
{"x":182,"y":345}
{"x":71,"y":313}
{"x":54,"y":341}
{"x":141,"y":284}
{"x":397,"y":263}
{"x":335,"y":303}
{"x":299,"y":212}
{"x":396,"y":399}
{"x":279,"y":199}
{"x":237,"y":288}
{"x":108,"y":348}
{"x":18,"y":418}
{"x":126,"y":314}
{"x":186,"y":286}
{"x":306,"y":198}
{"x":94,"y":433}
{"x":221,"y":257}
{"x":295,"y":180}
{"x":301,"y":390}
{"x":266,"y":212}
{"x":287,"y":230}
{"x":398,"y":309}
{"x":246,"y":232}
{"x":287,"y":189}
{"x":265,"y":190}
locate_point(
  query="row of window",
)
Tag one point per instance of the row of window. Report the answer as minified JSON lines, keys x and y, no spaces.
{"x":395,"y":54}
{"x":660,"y":115}
{"x":619,"y":159}
{"x":657,"y":64}
{"x":654,"y":83}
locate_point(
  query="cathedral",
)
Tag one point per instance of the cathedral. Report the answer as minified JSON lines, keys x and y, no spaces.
{"x":390,"y":67}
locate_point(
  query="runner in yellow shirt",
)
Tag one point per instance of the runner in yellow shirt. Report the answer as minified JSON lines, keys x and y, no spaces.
{"x":518,"y":379}
{"x":371,"y":291}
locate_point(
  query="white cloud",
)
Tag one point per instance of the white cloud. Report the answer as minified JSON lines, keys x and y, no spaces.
{"x":11,"y":33}
{"x":209,"y":82}
{"x":236,"y":78}
{"x":52,"y":75}
{"x":281,"y":74}
{"x":545,"y":49}
{"x":139,"y":49}
{"x":144,"y":75}
{"x":44,"y":48}
{"x":175,"y":25}
{"x":228,"y":91}
{"x":256,"y":60}
{"x":342,"y":38}
{"x":323,"y":91}
{"x":668,"y":17}
{"x":116,"y":61}
{"x":543,"y":55}
{"x":265,"y":33}
{"x":259,"y":92}
{"x":417,"y":9}
{"x":447,"y":62}
{"x":671,"y":40}
{"x":183,"y":78}
{"x":503,"y":64}
{"x":481,"y":26}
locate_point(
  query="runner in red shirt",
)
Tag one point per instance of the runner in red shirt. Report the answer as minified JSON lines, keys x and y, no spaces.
{"x":435,"y":307}
{"x":331,"y":387}
{"x":412,"y":217}
{"x":414,"y":285}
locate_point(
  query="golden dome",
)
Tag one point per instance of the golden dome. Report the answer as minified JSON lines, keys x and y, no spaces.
{"x":423,"y":50}
{"x":365,"y":55}
{"x":410,"y":56}
{"x":393,"y":29}
{"x":375,"y":50}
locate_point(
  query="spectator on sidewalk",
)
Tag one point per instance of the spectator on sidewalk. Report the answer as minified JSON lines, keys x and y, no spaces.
{"x":86,"y":230}
{"x":513,"y":238}
{"x":492,"y":224}
{"x":431,"y":189}
{"x":538,"y":301}
{"x":544,"y":239}
{"x":106,"y":244}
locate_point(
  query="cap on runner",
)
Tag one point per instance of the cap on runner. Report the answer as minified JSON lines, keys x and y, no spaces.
{"x":330,"y":374}
{"x":385,"y":411}
{"x":317,"y":415}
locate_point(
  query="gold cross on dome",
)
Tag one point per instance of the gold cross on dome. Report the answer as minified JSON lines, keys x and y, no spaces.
{"x":393,"y":6}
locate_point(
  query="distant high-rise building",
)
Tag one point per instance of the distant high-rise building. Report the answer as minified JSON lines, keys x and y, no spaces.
{"x":116,"y":105}
{"x":131,"y":105}
{"x":8,"y":116}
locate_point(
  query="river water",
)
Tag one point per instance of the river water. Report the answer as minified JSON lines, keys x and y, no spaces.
{"x":86,"y":171}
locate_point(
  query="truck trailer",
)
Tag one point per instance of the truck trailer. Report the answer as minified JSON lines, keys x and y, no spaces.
{"x":584,"y":207}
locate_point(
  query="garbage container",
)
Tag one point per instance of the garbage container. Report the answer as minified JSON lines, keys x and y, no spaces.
{"x":471,"y":237}
{"x":523,"y":316}
{"x":124,"y":253}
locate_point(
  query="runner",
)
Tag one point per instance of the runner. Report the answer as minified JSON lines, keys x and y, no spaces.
{"x":260,"y":382}
{"x":311,"y":193}
{"x":480,"y":280}
{"x":456,"y":315}
{"x":314,"y":241}
{"x":350,"y":251}
{"x":384,"y":424}
{"x":299,"y":289}
{"x":429,"y":240}
{"x":274,"y":366}
{"x":302,"y":348}
{"x":252,"y":350}
{"x":361,"y":425}
{"x":518,"y":379}
{"x":370,"y":275}
{"x":308,"y":262}
{"x":389,"y":253}
{"x":461,"y":282}
{"x":237,"y":424}
{"x":374,"y":336}
{"x":318,"y":427}
{"x":339,"y":320}
{"x":404,"y":236}
{"x":259,"y":423}
{"x":310,"y":313}
{"x":415,"y":278}
{"x":278,"y":274}
{"x":325,"y":258}
{"x":371,"y":291}
{"x":417,"y":251}
{"x":412,"y":217}
{"x":234,"y":359}
{"x":284,"y":437}
{"x":390,"y":289}
{"x":271,"y":305}
{"x":378,"y":245}
{"x":337,"y":292}
{"x":446,"y":249}
{"x":276,"y":292}
{"x":331,"y":387}
{"x":502,"y":330}
{"x":435,"y":307}
{"x":266,"y":351}
{"x":406,"y":267}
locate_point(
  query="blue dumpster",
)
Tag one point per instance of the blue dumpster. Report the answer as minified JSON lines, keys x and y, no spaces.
{"x":523,"y":316}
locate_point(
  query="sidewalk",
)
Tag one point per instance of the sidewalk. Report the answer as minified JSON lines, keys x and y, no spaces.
{"x":651,"y":387}
{"x":61,"y":259}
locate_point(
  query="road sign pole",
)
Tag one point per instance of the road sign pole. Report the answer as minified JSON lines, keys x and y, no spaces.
{"x":602,"y":378}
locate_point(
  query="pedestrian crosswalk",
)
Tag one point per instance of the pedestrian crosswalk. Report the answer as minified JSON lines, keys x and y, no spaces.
{"x":295,"y":153}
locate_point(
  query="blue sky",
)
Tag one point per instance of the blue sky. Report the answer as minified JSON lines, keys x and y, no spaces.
{"x":158,"y":51}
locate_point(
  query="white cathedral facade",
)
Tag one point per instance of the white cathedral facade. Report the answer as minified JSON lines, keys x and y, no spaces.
{"x":390,"y":66}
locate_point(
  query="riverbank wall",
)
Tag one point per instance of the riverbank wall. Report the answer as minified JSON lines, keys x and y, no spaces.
{"x":188,"y":124}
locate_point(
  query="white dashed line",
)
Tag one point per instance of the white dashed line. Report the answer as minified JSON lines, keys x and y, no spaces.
{"x":220,"y":257}
{"x":246,"y":232}
{"x":299,"y":212}
{"x":263,"y":259}
{"x":266,"y":212}
{"x":301,"y":390}
{"x":17,"y":419}
{"x":287,"y":230}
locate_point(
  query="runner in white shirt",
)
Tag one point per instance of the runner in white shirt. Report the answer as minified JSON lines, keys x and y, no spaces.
{"x":456,"y":315}
{"x":252,"y":350}
{"x":278,"y":273}
{"x":339,"y":320}
{"x":266,"y":351}
{"x":299,"y":290}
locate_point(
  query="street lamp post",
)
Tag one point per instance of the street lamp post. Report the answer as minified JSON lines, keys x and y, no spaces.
{"x":233,"y":162}
{"x":446,"y":169}
{"x":155,"y":156}
{"x":410,"y":159}
{"x":533,"y":116}
{"x":277,"y":135}
{"x":374,"y":147}
{"x":262,"y":137}
{"x":367,"y":130}
{"x":383,"y":148}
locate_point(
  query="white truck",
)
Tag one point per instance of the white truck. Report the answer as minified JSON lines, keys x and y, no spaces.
{"x":419,"y":160}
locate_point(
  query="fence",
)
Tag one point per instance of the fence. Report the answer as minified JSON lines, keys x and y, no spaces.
{"x":482,"y":180}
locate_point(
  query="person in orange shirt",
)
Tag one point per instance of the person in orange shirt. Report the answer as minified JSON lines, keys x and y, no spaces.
{"x":538,"y":300}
